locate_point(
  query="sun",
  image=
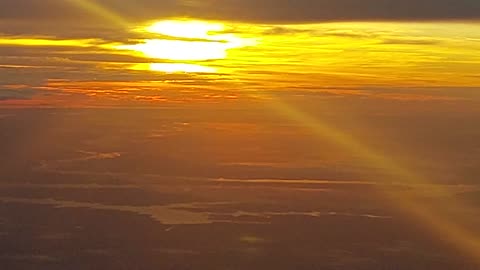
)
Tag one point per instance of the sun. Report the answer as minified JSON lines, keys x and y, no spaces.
{"x":186,"y":40}
{"x":180,"y":50}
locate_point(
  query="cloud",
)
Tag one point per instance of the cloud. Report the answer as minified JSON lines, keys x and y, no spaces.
{"x":245,"y":10}
{"x":71,"y":48}
{"x":17,"y":94}
{"x":279,"y":30}
{"x":411,"y":41}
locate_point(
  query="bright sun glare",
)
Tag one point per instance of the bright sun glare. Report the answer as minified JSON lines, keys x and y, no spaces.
{"x":175,"y":68}
{"x":181,"y":50}
{"x":186,"y":40}
{"x":186,"y":29}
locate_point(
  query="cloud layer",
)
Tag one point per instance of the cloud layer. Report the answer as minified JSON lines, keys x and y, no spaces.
{"x":249,"y":10}
{"x":80,"y":51}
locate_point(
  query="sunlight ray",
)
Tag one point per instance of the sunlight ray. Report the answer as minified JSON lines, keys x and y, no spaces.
{"x":434,"y":217}
{"x":97,"y":9}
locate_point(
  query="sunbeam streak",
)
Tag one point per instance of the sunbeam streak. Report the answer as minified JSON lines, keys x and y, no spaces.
{"x":100,"y":11}
{"x":435,"y":217}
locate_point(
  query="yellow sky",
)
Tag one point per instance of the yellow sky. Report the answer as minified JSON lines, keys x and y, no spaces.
{"x":251,"y":57}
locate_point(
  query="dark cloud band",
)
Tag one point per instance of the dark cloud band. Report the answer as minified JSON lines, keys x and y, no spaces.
{"x":288,"y":11}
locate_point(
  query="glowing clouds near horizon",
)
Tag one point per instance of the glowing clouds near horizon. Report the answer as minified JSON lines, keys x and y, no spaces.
{"x":185,"y":29}
{"x":196,"y":41}
{"x":175,"y":68}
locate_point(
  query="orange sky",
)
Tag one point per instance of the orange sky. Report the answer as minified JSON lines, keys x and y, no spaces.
{"x":124,"y":62}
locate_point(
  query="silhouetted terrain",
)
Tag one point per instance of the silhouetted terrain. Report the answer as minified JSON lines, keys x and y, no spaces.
{"x":169,"y":189}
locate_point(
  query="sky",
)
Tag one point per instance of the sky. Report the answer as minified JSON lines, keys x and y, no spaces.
{"x":105,"y":53}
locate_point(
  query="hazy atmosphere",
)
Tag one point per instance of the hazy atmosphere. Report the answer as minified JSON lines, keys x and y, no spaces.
{"x":225,"y":134}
